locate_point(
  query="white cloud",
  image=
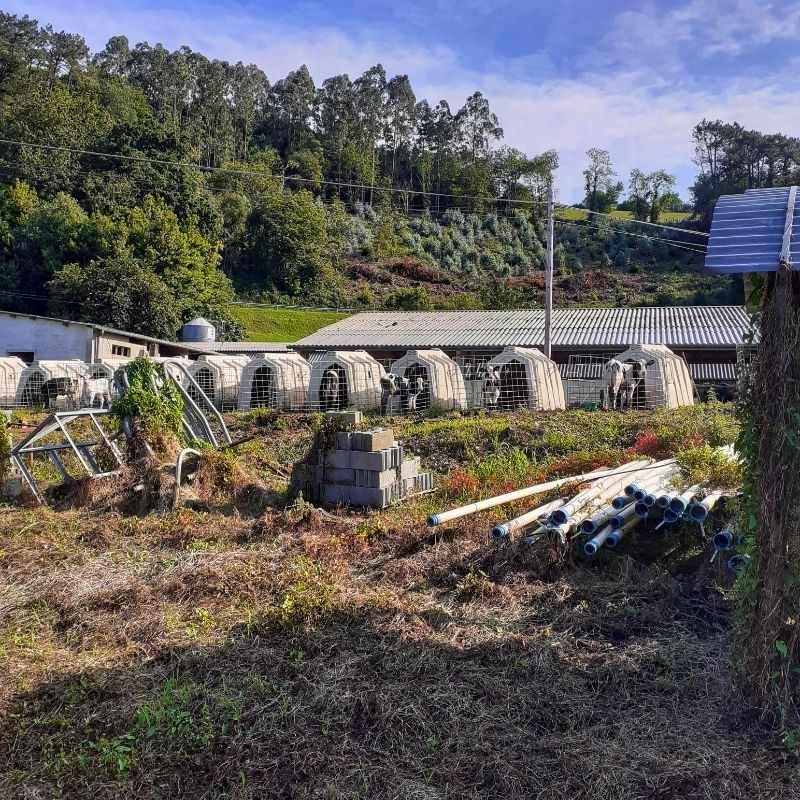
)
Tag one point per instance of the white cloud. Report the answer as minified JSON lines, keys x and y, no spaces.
{"x":644,"y":118}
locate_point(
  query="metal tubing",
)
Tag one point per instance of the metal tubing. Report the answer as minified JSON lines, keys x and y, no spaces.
{"x":507,"y":528}
{"x":618,"y":520}
{"x":722,"y":540}
{"x":593,"y":545}
{"x":509,"y":497}
{"x":680,"y":503}
{"x":591,"y":524}
{"x":699,"y":511}
{"x":613,"y":538}
{"x":178,"y":467}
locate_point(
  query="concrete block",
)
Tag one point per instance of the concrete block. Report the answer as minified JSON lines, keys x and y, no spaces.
{"x":336,"y":494}
{"x":376,"y":498}
{"x":424,"y":482}
{"x":342,"y":477}
{"x":374,"y":440}
{"x":337,"y":459}
{"x":372,"y":479}
{"x":343,"y":440}
{"x":347,"y":419}
{"x":409,"y":468}
{"x":377,"y":462}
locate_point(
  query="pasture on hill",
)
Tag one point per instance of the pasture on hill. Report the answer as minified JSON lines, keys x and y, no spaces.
{"x":280,"y":324}
{"x":245,"y":648}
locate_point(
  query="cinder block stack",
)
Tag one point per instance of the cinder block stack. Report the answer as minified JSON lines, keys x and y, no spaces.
{"x":368,"y":468}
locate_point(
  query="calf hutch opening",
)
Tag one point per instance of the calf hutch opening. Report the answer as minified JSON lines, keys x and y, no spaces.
{"x":51,"y":384}
{"x":523,"y":377}
{"x":275,"y":380}
{"x":219,"y":377}
{"x":344,"y":379}
{"x":11,"y":369}
{"x":422,"y":379}
{"x":645,"y":376}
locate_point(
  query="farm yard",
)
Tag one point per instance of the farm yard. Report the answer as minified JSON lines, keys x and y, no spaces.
{"x":241,"y":646}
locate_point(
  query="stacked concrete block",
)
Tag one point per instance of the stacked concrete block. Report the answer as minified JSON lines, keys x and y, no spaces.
{"x":368,"y":468}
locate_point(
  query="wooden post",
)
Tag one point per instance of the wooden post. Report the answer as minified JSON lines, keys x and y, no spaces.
{"x":548,"y":277}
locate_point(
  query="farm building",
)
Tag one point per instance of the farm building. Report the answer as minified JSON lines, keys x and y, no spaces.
{"x":34,"y":338}
{"x":219,"y":377}
{"x":344,"y":379}
{"x":705,"y":337}
{"x":275,"y":380}
{"x":528,"y":379}
{"x":442,"y":383}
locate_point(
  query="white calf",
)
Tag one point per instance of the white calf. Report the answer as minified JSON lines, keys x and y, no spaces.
{"x":96,"y":390}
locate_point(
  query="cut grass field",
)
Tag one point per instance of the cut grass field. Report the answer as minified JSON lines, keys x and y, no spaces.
{"x":667,"y":217}
{"x":288,"y":652}
{"x":281,"y":325}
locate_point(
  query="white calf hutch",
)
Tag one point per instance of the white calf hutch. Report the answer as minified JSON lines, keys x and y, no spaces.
{"x":11,"y":369}
{"x":345,"y":379}
{"x":666,"y":383}
{"x":440,"y":380}
{"x":65,"y":377}
{"x":219,"y":378}
{"x":275,"y":380}
{"x":527,"y":379}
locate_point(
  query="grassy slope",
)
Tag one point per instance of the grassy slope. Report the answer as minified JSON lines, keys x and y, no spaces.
{"x":281,"y":325}
{"x":666,"y":217}
{"x":288,"y":653}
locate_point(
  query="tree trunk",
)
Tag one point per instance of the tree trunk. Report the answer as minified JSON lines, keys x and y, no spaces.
{"x":771,"y":638}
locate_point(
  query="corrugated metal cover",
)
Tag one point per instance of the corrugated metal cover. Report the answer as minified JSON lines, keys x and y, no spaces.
{"x":747,"y":231}
{"x":713,"y":372}
{"x":677,"y":326}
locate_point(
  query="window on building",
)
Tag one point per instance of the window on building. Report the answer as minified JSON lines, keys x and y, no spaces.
{"x":27,"y":356}
{"x":120,"y":350}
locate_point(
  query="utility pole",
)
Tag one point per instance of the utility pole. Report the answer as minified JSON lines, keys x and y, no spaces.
{"x":548,"y":276}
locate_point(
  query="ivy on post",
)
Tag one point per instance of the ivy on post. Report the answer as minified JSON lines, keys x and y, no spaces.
{"x":756,"y":233}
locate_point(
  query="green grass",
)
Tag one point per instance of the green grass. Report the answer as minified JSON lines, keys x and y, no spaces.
{"x":667,"y":217}
{"x":281,"y":325}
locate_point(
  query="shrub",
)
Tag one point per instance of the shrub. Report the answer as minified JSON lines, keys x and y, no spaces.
{"x":411,"y":299}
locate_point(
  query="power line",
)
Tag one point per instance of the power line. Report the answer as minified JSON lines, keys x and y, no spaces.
{"x":671,"y":242}
{"x":321,"y":182}
{"x":641,"y":222}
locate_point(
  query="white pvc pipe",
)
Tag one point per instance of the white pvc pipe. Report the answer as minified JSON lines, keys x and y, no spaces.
{"x":505,"y":529}
{"x":519,"y":494}
{"x":699,"y":511}
{"x":680,"y":503}
{"x":613,"y":538}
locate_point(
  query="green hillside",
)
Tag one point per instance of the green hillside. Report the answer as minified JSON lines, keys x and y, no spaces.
{"x":281,"y":325}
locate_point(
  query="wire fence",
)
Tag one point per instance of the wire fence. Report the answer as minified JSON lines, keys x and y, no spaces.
{"x":419,"y":381}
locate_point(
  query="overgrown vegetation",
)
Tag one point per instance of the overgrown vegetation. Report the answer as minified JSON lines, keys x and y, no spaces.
{"x":328,"y":654}
{"x":151,"y":398}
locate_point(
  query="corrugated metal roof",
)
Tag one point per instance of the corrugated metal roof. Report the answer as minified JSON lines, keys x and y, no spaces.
{"x":748,"y":230}
{"x":676,"y":326}
{"x":725,"y":373}
{"x":243,"y":347}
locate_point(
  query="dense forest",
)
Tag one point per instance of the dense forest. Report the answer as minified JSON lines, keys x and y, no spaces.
{"x":157,"y":185}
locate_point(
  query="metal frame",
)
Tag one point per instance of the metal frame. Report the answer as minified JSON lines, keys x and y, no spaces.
{"x":58,"y":423}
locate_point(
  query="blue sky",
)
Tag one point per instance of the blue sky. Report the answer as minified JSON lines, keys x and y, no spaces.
{"x":631,"y":77}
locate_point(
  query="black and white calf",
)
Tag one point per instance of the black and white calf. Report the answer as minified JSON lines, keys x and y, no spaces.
{"x":53,"y":388}
{"x":621,"y":379}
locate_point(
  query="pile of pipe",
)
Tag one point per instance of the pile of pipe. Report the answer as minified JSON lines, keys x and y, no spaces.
{"x":611,"y":503}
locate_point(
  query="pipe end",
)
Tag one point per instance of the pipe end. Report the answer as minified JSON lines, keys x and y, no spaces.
{"x":588,"y":526}
{"x":723,"y":540}
{"x":433,"y":520}
{"x":677,"y":505}
{"x":671,"y":517}
{"x":500,"y":531}
{"x":630,"y":489}
{"x":698,"y":512}
{"x":559,"y":516}
{"x":663,"y":501}
{"x":619,"y":503}
{"x":641,"y":510}
{"x":589,"y":549}
{"x":613,"y":540}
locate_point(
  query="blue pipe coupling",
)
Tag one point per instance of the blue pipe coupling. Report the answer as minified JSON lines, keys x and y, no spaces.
{"x":723,"y":540}
{"x":737,"y":563}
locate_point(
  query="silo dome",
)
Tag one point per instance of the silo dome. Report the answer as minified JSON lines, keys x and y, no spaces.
{"x":198,"y":330}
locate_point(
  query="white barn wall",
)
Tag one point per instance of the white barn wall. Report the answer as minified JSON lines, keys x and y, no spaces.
{"x":49,"y":340}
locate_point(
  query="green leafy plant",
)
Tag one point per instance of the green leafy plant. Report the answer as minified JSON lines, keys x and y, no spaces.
{"x":161,"y":408}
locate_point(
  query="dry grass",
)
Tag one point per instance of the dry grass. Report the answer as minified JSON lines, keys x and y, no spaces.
{"x":300,"y":654}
